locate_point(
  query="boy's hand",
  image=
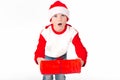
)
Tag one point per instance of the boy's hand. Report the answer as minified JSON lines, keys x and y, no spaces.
{"x":39,"y":60}
{"x":82,"y":62}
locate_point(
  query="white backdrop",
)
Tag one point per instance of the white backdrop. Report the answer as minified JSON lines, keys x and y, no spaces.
{"x":97,"y":21}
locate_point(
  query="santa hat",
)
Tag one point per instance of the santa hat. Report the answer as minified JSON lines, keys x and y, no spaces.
{"x":58,"y":7}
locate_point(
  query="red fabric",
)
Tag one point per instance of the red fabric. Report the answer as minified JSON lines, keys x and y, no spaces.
{"x":60,"y":66}
{"x":58,"y":4}
{"x":50,"y":67}
{"x":71,"y":66}
{"x":40,"y":51}
{"x":80,"y":49}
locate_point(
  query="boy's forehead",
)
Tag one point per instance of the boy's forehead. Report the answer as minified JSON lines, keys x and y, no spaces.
{"x":59,"y":14}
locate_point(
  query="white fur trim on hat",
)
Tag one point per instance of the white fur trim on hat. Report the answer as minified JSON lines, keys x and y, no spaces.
{"x":57,"y":10}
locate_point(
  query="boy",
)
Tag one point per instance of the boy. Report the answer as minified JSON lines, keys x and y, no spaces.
{"x":56,"y":37}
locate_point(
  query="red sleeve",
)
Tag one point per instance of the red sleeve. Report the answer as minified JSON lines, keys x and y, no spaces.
{"x":79,"y":48}
{"x":40,"y":51}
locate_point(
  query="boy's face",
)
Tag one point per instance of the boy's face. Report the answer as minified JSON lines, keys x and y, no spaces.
{"x":59,"y":20}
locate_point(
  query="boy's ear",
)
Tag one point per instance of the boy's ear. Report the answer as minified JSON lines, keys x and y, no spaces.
{"x":50,"y":19}
{"x":67,"y":18}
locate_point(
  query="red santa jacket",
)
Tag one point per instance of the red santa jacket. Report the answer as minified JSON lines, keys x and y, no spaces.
{"x":55,"y":44}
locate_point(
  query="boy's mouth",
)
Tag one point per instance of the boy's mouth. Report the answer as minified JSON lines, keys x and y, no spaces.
{"x":59,"y":24}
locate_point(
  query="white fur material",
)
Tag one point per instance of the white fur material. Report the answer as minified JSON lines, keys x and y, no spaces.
{"x":57,"y":10}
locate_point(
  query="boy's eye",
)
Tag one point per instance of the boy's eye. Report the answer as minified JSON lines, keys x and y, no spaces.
{"x":62,"y":15}
{"x":55,"y":16}
{"x":58,"y":15}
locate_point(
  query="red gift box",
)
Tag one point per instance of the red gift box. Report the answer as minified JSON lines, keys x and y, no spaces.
{"x":60,"y":66}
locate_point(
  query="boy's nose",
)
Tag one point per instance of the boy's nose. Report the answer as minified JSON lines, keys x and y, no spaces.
{"x":59,"y":17}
